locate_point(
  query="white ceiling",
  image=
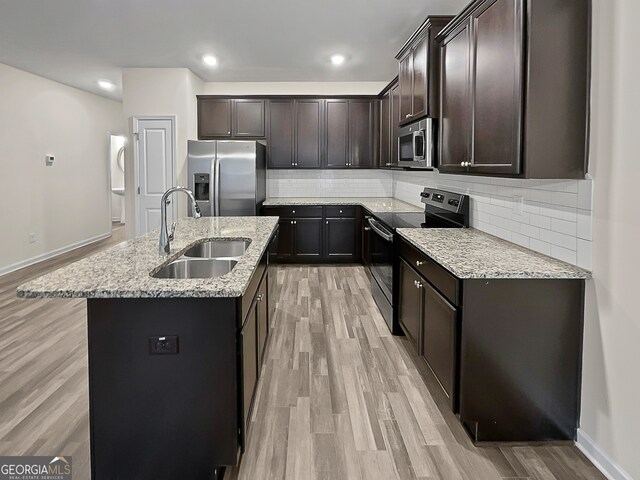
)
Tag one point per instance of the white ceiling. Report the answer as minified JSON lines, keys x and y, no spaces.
{"x":77,"y":42}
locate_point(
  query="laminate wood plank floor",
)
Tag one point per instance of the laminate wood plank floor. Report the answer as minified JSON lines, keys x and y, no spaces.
{"x":44,"y":400}
{"x":341,"y":398}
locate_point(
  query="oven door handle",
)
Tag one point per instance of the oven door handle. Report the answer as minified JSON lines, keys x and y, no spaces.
{"x":388,"y":236}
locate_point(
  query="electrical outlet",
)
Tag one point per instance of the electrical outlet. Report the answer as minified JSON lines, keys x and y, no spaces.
{"x":32,"y":238}
{"x":518,"y":204}
{"x":163,"y":345}
{"x":49,"y":159}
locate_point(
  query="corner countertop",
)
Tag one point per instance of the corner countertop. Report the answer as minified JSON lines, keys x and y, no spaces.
{"x":123,"y":270}
{"x":472,"y":254}
{"x":373,"y":204}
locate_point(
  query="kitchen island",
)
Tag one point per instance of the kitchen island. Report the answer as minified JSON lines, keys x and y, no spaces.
{"x":173,"y":362}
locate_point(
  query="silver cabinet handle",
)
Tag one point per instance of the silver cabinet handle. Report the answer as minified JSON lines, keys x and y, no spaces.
{"x":417,"y":284}
{"x":292,"y":222}
{"x":293,"y":211}
{"x":419,"y":263}
{"x":367,"y":229}
{"x":259,"y":297}
{"x":408,"y":115}
{"x":340,"y":211}
{"x":327,"y":222}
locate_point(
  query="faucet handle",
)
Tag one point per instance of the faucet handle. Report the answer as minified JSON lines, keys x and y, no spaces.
{"x":173,"y":231}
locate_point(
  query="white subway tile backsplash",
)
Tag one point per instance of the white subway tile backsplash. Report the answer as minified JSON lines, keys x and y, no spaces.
{"x":549,"y":222}
{"x":555,"y":218}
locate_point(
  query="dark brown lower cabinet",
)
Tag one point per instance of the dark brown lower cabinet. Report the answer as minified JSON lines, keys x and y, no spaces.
{"x":262,"y":315}
{"x":340,"y":238}
{"x":506,"y":352}
{"x":440,"y":339}
{"x":315,"y":234}
{"x":410,"y":313}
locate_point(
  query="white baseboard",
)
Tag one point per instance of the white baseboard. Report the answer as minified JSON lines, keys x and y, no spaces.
{"x":599,"y":458}
{"x":54,"y":253}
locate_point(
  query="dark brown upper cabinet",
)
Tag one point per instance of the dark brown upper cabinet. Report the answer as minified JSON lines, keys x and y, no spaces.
{"x":280,"y":141}
{"x":308,"y":132}
{"x":249,"y":118}
{"x":419,"y":71}
{"x":228,"y":118}
{"x":361,"y":114}
{"x":511,"y":103}
{"x":337,"y":137}
{"x":388,"y":122}
{"x":214,"y":118}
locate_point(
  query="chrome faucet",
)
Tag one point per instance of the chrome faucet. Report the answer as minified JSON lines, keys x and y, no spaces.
{"x":165,"y":237}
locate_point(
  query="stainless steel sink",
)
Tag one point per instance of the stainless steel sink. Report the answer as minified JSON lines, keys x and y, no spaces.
{"x":196,"y":268}
{"x":218,"y":249}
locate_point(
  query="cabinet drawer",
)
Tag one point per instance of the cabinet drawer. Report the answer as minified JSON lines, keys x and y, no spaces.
{"x":339,"y":211}
{"x":438,"y":276}
{"x":294,"y":211}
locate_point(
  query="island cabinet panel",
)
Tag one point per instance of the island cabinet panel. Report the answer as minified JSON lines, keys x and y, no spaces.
{"x":249,"y":347}
{"x":505,"y":353}
{"x":162,"y":416}
{"x":512,"y":104}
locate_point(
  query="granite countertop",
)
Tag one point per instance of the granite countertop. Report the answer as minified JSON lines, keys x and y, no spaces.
{"x":373,"y":204}
{"x":469,"y":253}
{"x":123,"y":270}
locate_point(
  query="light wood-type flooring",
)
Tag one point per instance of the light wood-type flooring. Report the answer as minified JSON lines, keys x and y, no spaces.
{"x":340,"y":398}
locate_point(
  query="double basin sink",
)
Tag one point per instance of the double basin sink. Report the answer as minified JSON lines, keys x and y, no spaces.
{"x":209,"y":259}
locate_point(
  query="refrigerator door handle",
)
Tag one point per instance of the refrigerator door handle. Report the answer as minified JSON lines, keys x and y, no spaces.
{"x":216,"y":176}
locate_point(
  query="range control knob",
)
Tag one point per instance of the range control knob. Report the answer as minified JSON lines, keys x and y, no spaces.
{"x":454,"y":203}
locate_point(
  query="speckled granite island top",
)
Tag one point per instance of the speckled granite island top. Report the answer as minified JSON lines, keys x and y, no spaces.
{"x":469,"y":253}
{"x":123,"y":271}
{"x":373,"y":204}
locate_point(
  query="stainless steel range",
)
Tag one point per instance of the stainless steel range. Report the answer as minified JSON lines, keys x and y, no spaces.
{"x":442,"y":210}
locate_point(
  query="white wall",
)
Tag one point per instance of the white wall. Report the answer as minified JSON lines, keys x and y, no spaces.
{"x":117,"y":177}
{"x":610,"y":421}
{"x":293,"y":88}
{"x":64,"y":204}
{"x":160,"y":91}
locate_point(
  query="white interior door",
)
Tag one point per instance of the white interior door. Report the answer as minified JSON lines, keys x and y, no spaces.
{"x":155,"y":172}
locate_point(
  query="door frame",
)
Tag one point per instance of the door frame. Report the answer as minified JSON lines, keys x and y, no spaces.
{"x":136,"y":161}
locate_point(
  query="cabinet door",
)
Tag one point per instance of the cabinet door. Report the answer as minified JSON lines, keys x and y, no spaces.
{"x":497,"y":87}
{"x":285,"y":239}
{"x":420,"y":53}
{"x":214,"y":118}
{"x":340,"y":238}
{"x":361,"y":133}
{"x":405,"y":77}
{"x":280,"y":141}
{"x":308,"y":238}
{"x":395,"y":122}
{"x":262,"y":319}
{"x":410,"y":314}
{"x":337,"y":133}
{"x":248,"y":118}
{"x":308,"y":133}
{"x":439,"y":339}
{"x":385,"y":130}
{"x":455,"y":104}
{"x":248,"y":337}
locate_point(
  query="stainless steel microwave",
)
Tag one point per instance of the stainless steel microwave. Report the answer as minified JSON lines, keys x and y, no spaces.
{"x":416,"y":146}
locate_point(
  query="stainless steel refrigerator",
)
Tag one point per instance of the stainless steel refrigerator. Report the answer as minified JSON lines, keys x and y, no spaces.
{"x":227,"y":177}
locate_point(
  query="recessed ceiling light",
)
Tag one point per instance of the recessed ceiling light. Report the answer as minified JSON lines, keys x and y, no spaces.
{"x":106,"y":84}
{"x":210,"y":60}
{"x":337,"y":59}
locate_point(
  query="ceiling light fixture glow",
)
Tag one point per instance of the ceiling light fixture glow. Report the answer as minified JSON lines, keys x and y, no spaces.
{"x":210,"y":60}
{"x":106,"y":85}
{"x":337,"y":59}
